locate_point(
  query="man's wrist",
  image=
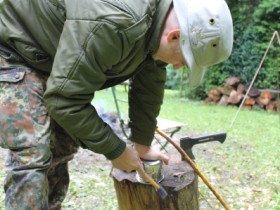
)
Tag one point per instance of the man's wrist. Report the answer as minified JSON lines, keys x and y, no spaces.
{"x":141,"y":148}
{"x":116,"y":152}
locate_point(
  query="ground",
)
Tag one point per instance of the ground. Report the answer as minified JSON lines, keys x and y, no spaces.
{"x":91,"y":186}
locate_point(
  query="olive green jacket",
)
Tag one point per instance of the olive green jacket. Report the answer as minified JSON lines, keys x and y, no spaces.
{"x":89,"y":45}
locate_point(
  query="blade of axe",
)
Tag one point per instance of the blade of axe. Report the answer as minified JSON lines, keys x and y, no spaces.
{"x":187,"y":143}
{"x":196,"y":169}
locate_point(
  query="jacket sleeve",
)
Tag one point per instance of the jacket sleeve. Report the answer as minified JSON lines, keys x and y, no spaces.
{"x":145,"y":99}
{"x":78,"y":71}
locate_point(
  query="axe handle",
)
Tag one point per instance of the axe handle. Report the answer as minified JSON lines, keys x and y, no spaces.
{"x":196,"y":169}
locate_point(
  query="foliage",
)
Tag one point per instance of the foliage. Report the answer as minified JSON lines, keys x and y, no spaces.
{"x":267,"y":18}
{"x":254,"y":24}
{"x":174,"y":78}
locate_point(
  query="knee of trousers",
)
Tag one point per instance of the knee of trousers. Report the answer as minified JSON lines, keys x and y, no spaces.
{"x":36,"y":158}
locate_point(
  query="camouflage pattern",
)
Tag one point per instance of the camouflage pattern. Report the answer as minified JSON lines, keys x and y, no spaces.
{"x":38,"y":149}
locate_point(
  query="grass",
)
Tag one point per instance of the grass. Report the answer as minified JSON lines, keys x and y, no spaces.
{"x":245,"y":169}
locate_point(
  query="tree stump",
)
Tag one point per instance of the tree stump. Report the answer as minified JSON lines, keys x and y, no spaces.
{"x":180,"y":182}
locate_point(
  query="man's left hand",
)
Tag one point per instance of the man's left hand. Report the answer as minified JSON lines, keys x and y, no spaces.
{"x":150,"y":153}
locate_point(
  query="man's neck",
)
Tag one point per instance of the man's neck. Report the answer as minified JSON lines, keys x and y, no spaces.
{"x":170,"y":24}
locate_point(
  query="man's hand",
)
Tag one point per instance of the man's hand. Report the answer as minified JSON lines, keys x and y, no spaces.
{"x":128,"y":160}
{"x":150,"y":153}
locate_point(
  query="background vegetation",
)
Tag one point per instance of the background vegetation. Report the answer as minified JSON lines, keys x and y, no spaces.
{"x":254,"y":24}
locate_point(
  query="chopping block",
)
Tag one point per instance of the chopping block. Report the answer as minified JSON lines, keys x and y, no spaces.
{"x":180,"y":181}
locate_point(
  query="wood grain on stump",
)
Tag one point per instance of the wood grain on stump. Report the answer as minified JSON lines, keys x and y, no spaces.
{"x":180,"y":182}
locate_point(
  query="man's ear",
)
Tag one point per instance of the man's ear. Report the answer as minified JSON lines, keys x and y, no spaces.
{"x":173,"y":35}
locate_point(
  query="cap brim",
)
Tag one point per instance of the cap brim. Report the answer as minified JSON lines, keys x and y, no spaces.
{"x":196,"y":72}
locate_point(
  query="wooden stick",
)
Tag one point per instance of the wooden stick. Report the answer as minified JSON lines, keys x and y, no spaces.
{"x":160,"y":190}
{"x":196,"y":169}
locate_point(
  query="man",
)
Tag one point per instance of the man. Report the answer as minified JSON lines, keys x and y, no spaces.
{"x":55,"y":54}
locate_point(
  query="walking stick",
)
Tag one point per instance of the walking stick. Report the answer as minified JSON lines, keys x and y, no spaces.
{"x":196,"y":169}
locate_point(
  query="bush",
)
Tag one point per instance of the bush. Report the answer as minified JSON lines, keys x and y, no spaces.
{"x":254,"y":24}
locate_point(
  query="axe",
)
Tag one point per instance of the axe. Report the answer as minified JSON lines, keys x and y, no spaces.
{"x":194,"y":166}
{"x":187,"y":143}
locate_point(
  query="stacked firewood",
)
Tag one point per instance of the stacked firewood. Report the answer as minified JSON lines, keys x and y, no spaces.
{"x":233,"y":93}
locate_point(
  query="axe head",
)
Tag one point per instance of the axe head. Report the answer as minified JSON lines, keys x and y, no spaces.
{"x":187,"y":143}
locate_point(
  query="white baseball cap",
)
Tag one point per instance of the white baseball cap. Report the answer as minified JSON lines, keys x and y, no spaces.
{"x":206,"y":34}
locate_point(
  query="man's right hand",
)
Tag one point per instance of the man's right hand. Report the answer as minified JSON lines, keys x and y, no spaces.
{"x":128,"y":160}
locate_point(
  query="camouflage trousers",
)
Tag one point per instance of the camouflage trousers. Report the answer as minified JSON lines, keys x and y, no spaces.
{"x":38,"y":149}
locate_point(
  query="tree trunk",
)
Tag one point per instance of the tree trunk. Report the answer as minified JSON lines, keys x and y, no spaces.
{"x":180,"y":182}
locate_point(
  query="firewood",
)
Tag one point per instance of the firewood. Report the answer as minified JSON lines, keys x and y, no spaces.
{"x":240,"y":88}
{"x":213,"y":95}
{"x":278,"y":104}
{"x":233,"y":92}
{"x":264,"y":98}
{"x":263,"y":101}
{"x":253,"y":92}
{"x":247,"y":106}
{"x":250,"y":101}
{"x":226,"y":90}
{"x":266,"y":94}
{"x":234,"y":97}
{"x":271,"y":106}
{"x":233,"y":81}
{"x":207,"y":100}
{"x":216,"y":91}
{"x":223,"y":101}
{"x":259,"y":104}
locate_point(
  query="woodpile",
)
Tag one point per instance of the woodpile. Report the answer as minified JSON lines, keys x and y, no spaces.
{"x":233,"y":93}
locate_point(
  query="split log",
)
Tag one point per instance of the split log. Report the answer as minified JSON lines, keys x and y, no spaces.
{"x":266,"y":94}
{"x":249,"y":101}
{"x":240,"y":88}
{"x":263,"y":101}
{"x":226,"y":90}
{"x":180,"y":182}
{"x":253,"y":92}
{"x":271,"y":106}
{"x":223,"y":101}
{"x":215,"y":94}
{"x":247,"y":106}
{"x":208,"y":101}
{"x":213,"y":97}
{"x":233,"y":81}
{"x":278,"y":104}
{"x":234,"y":97}
{"x":265,"y":98}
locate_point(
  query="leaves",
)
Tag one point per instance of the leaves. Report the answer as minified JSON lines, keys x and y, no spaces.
{"x":254,"y":24}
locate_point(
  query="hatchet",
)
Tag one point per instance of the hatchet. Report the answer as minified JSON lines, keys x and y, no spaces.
{"x":187,"y":143}
{"x":194,"y":166}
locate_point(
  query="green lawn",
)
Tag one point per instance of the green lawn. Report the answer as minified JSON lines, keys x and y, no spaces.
{"x":245,"y":169}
